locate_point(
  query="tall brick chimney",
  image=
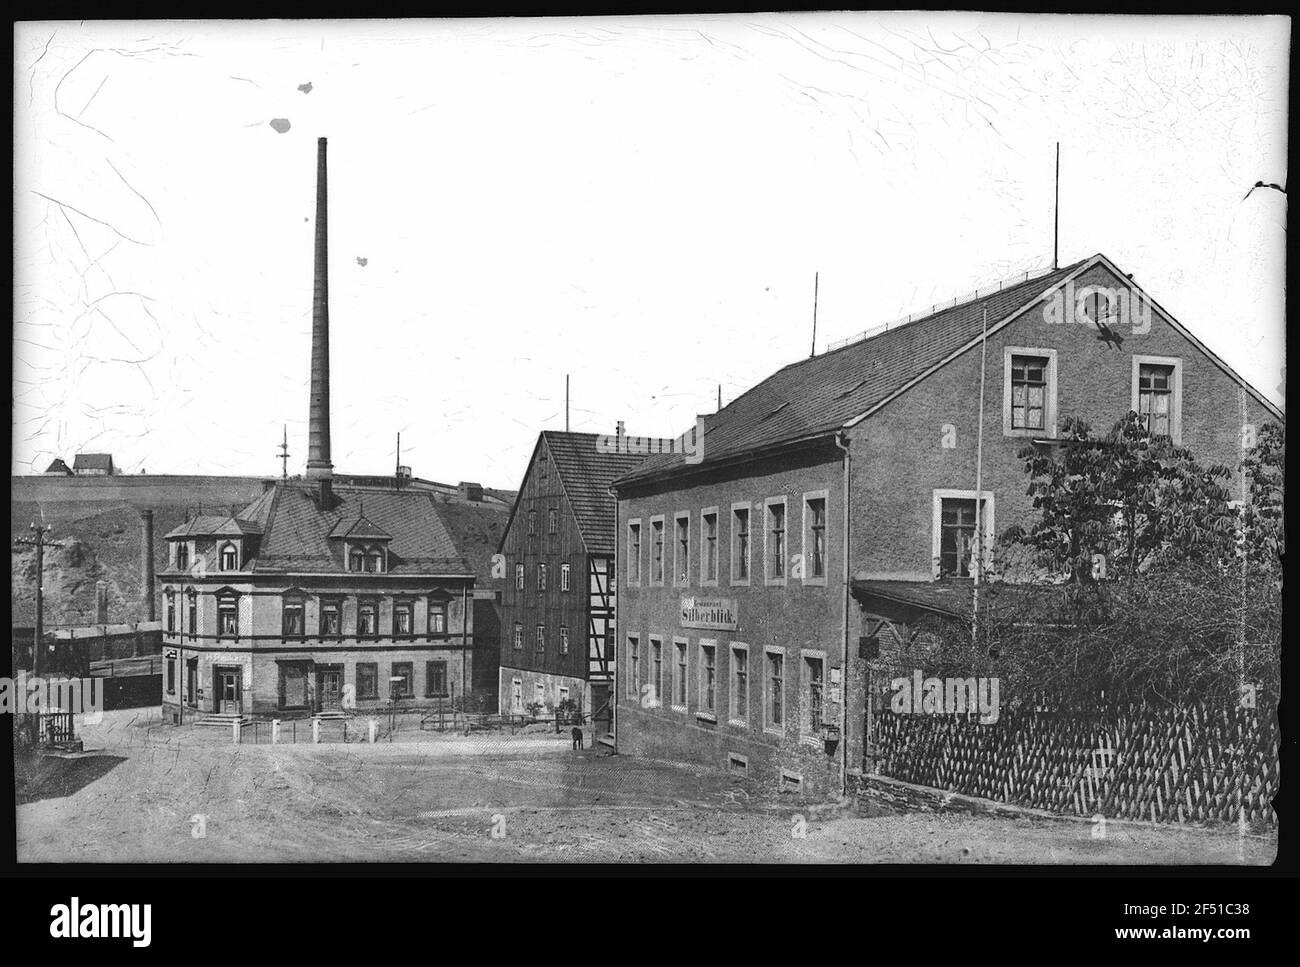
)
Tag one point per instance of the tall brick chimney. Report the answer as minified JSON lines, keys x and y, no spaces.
{"x":146,"y":564}
{"x":318,"y":417}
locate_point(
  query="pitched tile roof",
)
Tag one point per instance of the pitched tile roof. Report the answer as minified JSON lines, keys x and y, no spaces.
{"x":585,"y":476}
{"x":297,"y":531}
{"x":819,"y":395}
{"x":93,"y":461}
{"x":207,"y":525}
{"x":360,"y":528}
{"x":955,"y":596}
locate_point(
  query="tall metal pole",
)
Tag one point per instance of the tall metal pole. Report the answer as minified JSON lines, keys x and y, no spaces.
{"x":979,"y":483}
{"x":566,"y":402}
{"x":813,"y":351}
{"x":1056,"y":212}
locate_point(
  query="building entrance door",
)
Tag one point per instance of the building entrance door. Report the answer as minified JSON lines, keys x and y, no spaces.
{"x":229,"y":690}
{"x":329,"y":689}
{"x":191,"y":682}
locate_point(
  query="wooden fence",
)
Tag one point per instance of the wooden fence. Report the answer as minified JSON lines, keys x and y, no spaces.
{"x":1170,"y":765}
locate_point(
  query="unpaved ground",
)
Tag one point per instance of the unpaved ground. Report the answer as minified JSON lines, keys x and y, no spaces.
{"x":500,"y":799}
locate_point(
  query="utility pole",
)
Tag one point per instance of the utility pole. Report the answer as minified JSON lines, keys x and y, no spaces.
{"x":1056,"y":212}
{"x":814,"y":338}
{"x":38,"y":640}
{"x":566,"y":402}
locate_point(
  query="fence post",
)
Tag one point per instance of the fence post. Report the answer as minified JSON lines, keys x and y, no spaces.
{"x":315,"y":731}
{"x":372,"y":731}
{"x":275,"y":731}
{"x":234,"y":730}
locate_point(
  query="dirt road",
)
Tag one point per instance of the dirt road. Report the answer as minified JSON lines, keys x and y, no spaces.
{"x":165,"y":794}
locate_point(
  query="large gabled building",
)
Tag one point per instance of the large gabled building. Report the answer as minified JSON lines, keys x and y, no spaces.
{"x":557,"y":610}
{"x":324,"y":592}
{"x":836,"y":503}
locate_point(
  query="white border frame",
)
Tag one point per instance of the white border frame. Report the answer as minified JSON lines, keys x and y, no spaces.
{"x":685,"y":669}
{"x":681,"y":571}
{"x":651,"y":641}
{"x":1176,"y":407}
{"x":1048,"y":432}
{"x":806,"y":544}
{"x":651,"y":582}
{"x":768,"y":727}
{"x":986,"y":521}
{"x":805,"y":708}
{"x":634,"y":668}
{"x":634,"y":522}
{"x":709,"y":715}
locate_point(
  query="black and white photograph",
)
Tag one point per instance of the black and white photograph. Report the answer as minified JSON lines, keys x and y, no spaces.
{"x":802,"y":440}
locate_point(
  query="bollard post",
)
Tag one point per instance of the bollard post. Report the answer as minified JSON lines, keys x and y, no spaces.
{"x":373,"y":724}
{"x":275,"y":731}
{"x":315,"y":731}
{"x":294,"y":727}
{"x":234,"y":729}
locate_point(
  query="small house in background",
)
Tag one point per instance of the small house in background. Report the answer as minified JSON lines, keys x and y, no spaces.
{"x":93,"y":465}
{"x":58,"y":468}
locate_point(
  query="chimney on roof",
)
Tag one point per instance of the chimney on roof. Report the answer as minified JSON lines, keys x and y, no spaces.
{"x":473,"y":492}
{"x":318,"y":417}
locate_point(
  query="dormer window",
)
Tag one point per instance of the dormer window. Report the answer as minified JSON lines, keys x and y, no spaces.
{"x":356,"y":560}
{"x":374,"y":562}
{"x":182,"y":555}
{"x":229,"y":557}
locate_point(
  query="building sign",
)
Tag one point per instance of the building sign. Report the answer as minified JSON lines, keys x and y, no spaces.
{"x":717,"y":614}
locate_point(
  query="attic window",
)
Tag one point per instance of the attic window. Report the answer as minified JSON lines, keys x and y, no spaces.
{"x":229,"y":558}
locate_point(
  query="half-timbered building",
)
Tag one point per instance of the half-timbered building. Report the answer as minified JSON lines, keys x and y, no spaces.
{"x":557,"y":613}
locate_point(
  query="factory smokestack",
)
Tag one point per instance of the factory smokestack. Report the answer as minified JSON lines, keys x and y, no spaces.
{"x":146,"y":563}
{"x":318,"y":418}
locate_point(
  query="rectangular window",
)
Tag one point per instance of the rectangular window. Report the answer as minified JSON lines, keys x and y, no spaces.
{"x":955,"y":537}
{"x":813,"y":673}
{"x":404,"y":672}
{"x":228,"y":618}
{"x":437,"y":617}
{"x":368,"y":619}
{"x":814,"y":538}
{"x":541,"y":577}
{"x":709,"y":549}
{"x":519,"y":577}
{"x":708,"y":677}
{"x":634,"y":552}
{"x":519,"y":636}
{"x":740,"y":544}
{"x":435,"y":679}
{"x":171,"y":676}
{"x":679,"y":676}
{"x":402,"y":625}
{"x":682,"y":550}
{"x":775,"y":690}
{"x":171,"y":615}
{"x":539,"y":643}
{"x":775,"y":572}
{"x":194,"y":616}
{"x":1155,"y":398}
{"x":564,"y":639}
{"x":565,"y":577}
{"x":331,"y":622}
{"x":552,"y":521}
{"x":367,"y":679}
{"x":657,"y":550}
{"x":739,"y":684}
{"x":633,"y":667}
{"x":532,"y":522}
{"x":292,"y":622}
{"x":657,"y":671}
{"x":1028,"y":392}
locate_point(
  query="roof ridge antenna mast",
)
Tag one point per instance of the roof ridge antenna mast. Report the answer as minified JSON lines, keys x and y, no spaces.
{"x":813,"y":352}
{"x":1056,"y":213}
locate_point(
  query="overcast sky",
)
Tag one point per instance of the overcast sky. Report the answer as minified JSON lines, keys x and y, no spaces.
{"x":639,"y":202}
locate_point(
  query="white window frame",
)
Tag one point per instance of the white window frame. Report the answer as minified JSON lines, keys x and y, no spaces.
{"x":653,"y":640}
{"x":743,"y":719}
{"x":709,"y":714}
{"x":663,"y":529}
{"x":634,"y":667}
{"x":936,"y":524}
{"x":768,"y":727}
{"x":1176,"y":404}
{"x":681,"y":570}
{"x":805,"y":692}
{"x":634,"y":578}
{"x":705,"y":580}
{"x":564,"y":639}
{"x":768,"y":579}
{"x":682,"y":669}
{"x":806,"y":549}
{"x":1048,"y":432}
{"x":566,"y":577}
{"x":734,"y":536}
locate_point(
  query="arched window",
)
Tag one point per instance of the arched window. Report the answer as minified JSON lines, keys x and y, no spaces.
{"x":182,"y":555}
{"x":229,"y":558}
{"x":356,"y":560}
{"x":375,"y":561}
